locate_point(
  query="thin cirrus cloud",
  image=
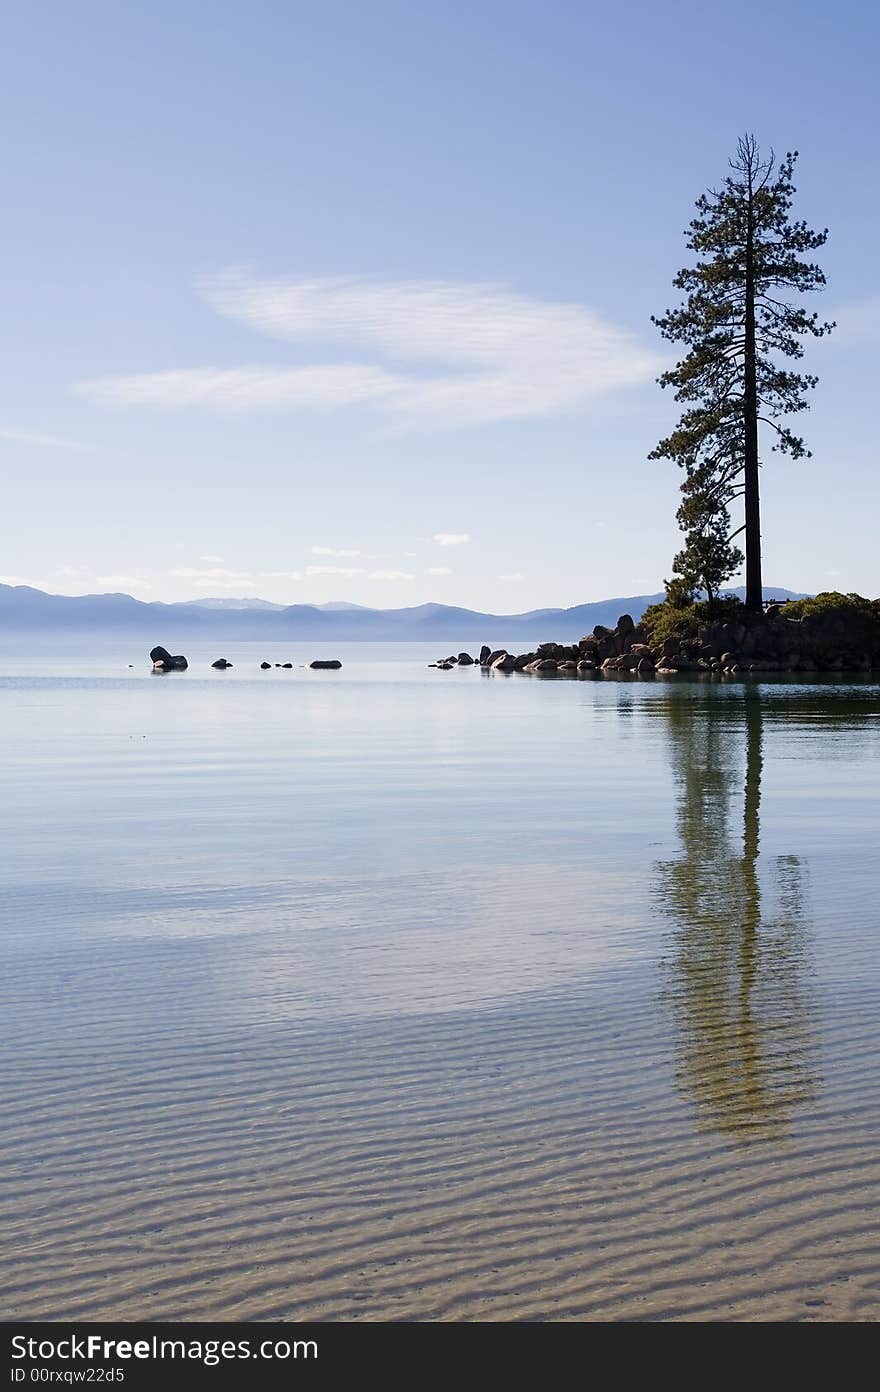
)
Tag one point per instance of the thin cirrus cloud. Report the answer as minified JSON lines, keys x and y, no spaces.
{"x":514,"y":578}
{"x":347,"y":571}
{"x":333,"y":551}
{"x":438,"y":570}
{"x":215,"y":577}
{"x":389,"y":575}
{"x":506,"y":356}
{"x":124,"y":581}
{"x":34,"y":437}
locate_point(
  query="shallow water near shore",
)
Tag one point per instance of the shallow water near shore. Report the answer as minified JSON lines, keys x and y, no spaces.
{"x":399,"y":994}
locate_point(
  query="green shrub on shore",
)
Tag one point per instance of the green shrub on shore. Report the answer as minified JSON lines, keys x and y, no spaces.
{"x":851,"y":614}
{"x":662,"y":621}
{"x":831,"y":604}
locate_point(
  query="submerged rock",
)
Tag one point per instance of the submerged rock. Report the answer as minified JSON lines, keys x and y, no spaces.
{"x":163,"y":661}
{"x":221,"y":664}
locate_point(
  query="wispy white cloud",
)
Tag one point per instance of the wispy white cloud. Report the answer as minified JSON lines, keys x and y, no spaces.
{"x":215,"y":572}
{"x":280,"y":575}
{"x":438,"y":570}
{"x":333,"y":551}
{"x":124,"y":582}
{"x":451,"y":538}
{"x":213,"y":560}
{"x":35,"y":437}
{"x":207,"y":583}
{"x":214,"y":576}
{"x":513,"y":579}
{"x":20,"y":580}
{"x":507,"y":356}
{"x":389,"y":575}
{"x":347,"y":571}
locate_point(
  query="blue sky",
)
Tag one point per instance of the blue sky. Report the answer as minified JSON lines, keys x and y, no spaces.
{"x":352,"y":300}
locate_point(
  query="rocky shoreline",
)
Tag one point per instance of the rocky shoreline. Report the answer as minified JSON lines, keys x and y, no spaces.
{"x":768,"y":642}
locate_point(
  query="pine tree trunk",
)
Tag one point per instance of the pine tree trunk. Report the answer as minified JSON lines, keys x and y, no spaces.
{"x":754,"y":585}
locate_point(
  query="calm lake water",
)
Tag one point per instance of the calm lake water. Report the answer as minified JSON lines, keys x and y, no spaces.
{"x":395,"y":993}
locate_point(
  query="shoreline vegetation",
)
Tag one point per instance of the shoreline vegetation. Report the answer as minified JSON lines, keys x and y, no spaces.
{"x":830,"y":633}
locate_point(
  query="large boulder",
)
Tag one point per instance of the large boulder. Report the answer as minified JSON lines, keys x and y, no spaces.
{"x":163,"y":661}
{"x":485,"y":654}
{"x":505,"y":662}
{"x":465,"y":660}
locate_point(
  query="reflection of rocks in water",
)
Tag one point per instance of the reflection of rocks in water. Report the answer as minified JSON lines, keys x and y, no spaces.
{"x":739,"y":952}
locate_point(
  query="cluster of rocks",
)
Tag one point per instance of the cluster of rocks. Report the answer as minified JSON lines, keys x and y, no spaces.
{"x":445,"y":664}
{"x":163,"y":661}
{"x":763,"y":642}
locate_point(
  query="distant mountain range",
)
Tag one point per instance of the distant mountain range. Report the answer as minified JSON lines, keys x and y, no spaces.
{"x":23,"y":609}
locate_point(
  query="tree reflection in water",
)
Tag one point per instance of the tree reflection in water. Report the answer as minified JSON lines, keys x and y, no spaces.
{"x":739,"y":967}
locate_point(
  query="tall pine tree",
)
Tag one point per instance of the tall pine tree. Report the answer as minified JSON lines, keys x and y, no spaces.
{"x":739,"y":318}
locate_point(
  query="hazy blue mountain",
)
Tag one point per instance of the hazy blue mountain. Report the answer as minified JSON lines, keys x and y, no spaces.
{"x":221,"y":603}
{"x":23,"y":609}
{"x":333,"y":605}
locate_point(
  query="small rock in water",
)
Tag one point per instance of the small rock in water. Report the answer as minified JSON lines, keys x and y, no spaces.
{"x":443,"y":666}
{"x":465,"y":660}
{"x":484,"y":655}
{"x":329,"y":665}
{"x":285,"y":664}
{"x":163,"y":661}
{"x":264,"y":666}
{"x":221,"y":664}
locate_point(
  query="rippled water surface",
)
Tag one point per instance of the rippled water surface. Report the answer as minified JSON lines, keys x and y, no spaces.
{"x":394,"y":993}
